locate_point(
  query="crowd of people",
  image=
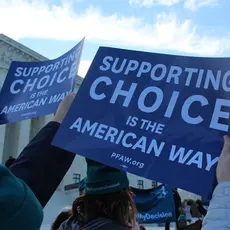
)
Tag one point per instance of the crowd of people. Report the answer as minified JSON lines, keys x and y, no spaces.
{"x":191,"y":213}
{"x":188,"y":212}
{"x":105,"y":202}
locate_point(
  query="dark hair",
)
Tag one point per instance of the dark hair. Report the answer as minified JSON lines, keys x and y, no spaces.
{"x":195,"y":211}
{"x":63,"y":216}
{"x":9,"y":162}
{"x":142,"y":227}
{"x":117,"y":206}
{"x":190,"y":202}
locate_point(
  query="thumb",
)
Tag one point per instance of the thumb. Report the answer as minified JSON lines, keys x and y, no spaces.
{"x":226,"y":149}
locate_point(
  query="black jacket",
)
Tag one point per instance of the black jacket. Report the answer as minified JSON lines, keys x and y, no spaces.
{"x":41,"y":165}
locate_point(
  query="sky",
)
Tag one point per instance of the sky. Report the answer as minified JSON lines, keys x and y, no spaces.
{"x":184,"y":27}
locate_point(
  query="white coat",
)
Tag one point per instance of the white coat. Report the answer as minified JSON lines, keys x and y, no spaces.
{"x":218,"y":215}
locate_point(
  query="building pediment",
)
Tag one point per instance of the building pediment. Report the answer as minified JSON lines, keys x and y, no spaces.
{"x":11,"y":50}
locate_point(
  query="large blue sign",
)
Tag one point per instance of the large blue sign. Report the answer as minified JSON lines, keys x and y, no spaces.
{"x":33,"y":89}
{"x":155,"y":205}
{"x":158,"y":116}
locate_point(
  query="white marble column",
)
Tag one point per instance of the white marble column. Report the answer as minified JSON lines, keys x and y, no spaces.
{"x":11,"y":140}
{"x":36,"y":125}
{"x":2,"y":138}
{"x":48,"y":118}
{"x":24,"y":135}
{"x":3,"y":72}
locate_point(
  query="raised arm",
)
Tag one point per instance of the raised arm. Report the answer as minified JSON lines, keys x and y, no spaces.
{"x":41,"y":165}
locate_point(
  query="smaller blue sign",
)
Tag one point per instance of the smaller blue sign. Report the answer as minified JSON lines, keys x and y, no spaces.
{"x":155,"y":205}
{"x":33,"y":89}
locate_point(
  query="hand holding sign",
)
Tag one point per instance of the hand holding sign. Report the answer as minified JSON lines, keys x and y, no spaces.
{"x":63,"y":108}
{"x":223,"y":168}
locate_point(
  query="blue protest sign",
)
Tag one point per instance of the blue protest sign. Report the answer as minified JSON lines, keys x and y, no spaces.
{"x":158,"y":116}
{"x":33,"y":89}
{"x":155,"y":205}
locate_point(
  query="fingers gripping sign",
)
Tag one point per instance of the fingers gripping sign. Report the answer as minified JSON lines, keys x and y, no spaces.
{"x":223,"y":168}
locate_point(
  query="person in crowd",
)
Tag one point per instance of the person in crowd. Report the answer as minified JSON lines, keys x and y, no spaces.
{"x":63,"y":216}
{"x":40,"y":165}
{"x":106,"y":202}
{"x":167,"y":226}
{"x":32,"y":178}
{"x":218,"y":216}
{"x":142,"y":227}
{"x":188,"y":215}
{"x":182,"y":212}
{"x":19,"y":208}
{"x":194,"y":210}
{"x":81,"y":189}
{"x":182,"y":222}
{"x":177,"y":202}
{"x":201,"y":208}
{"x":10,"y":162}
{"x":67,"y":212}
{"x":183,"y":204}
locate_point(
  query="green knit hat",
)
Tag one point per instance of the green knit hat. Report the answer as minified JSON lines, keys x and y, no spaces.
{"x":19,"y":208}
{"x":102,"y":179}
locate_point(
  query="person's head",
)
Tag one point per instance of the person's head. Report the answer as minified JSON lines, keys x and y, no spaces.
{"x":10,"y":161}
{"x":63,"y":216}
{"x":19,"y":208}
{"x":194,"y":210}
{"x":185,"y":202}
{"x":190,"y":202}
{"x":142,"y":227}
{"x":106,"y":195}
